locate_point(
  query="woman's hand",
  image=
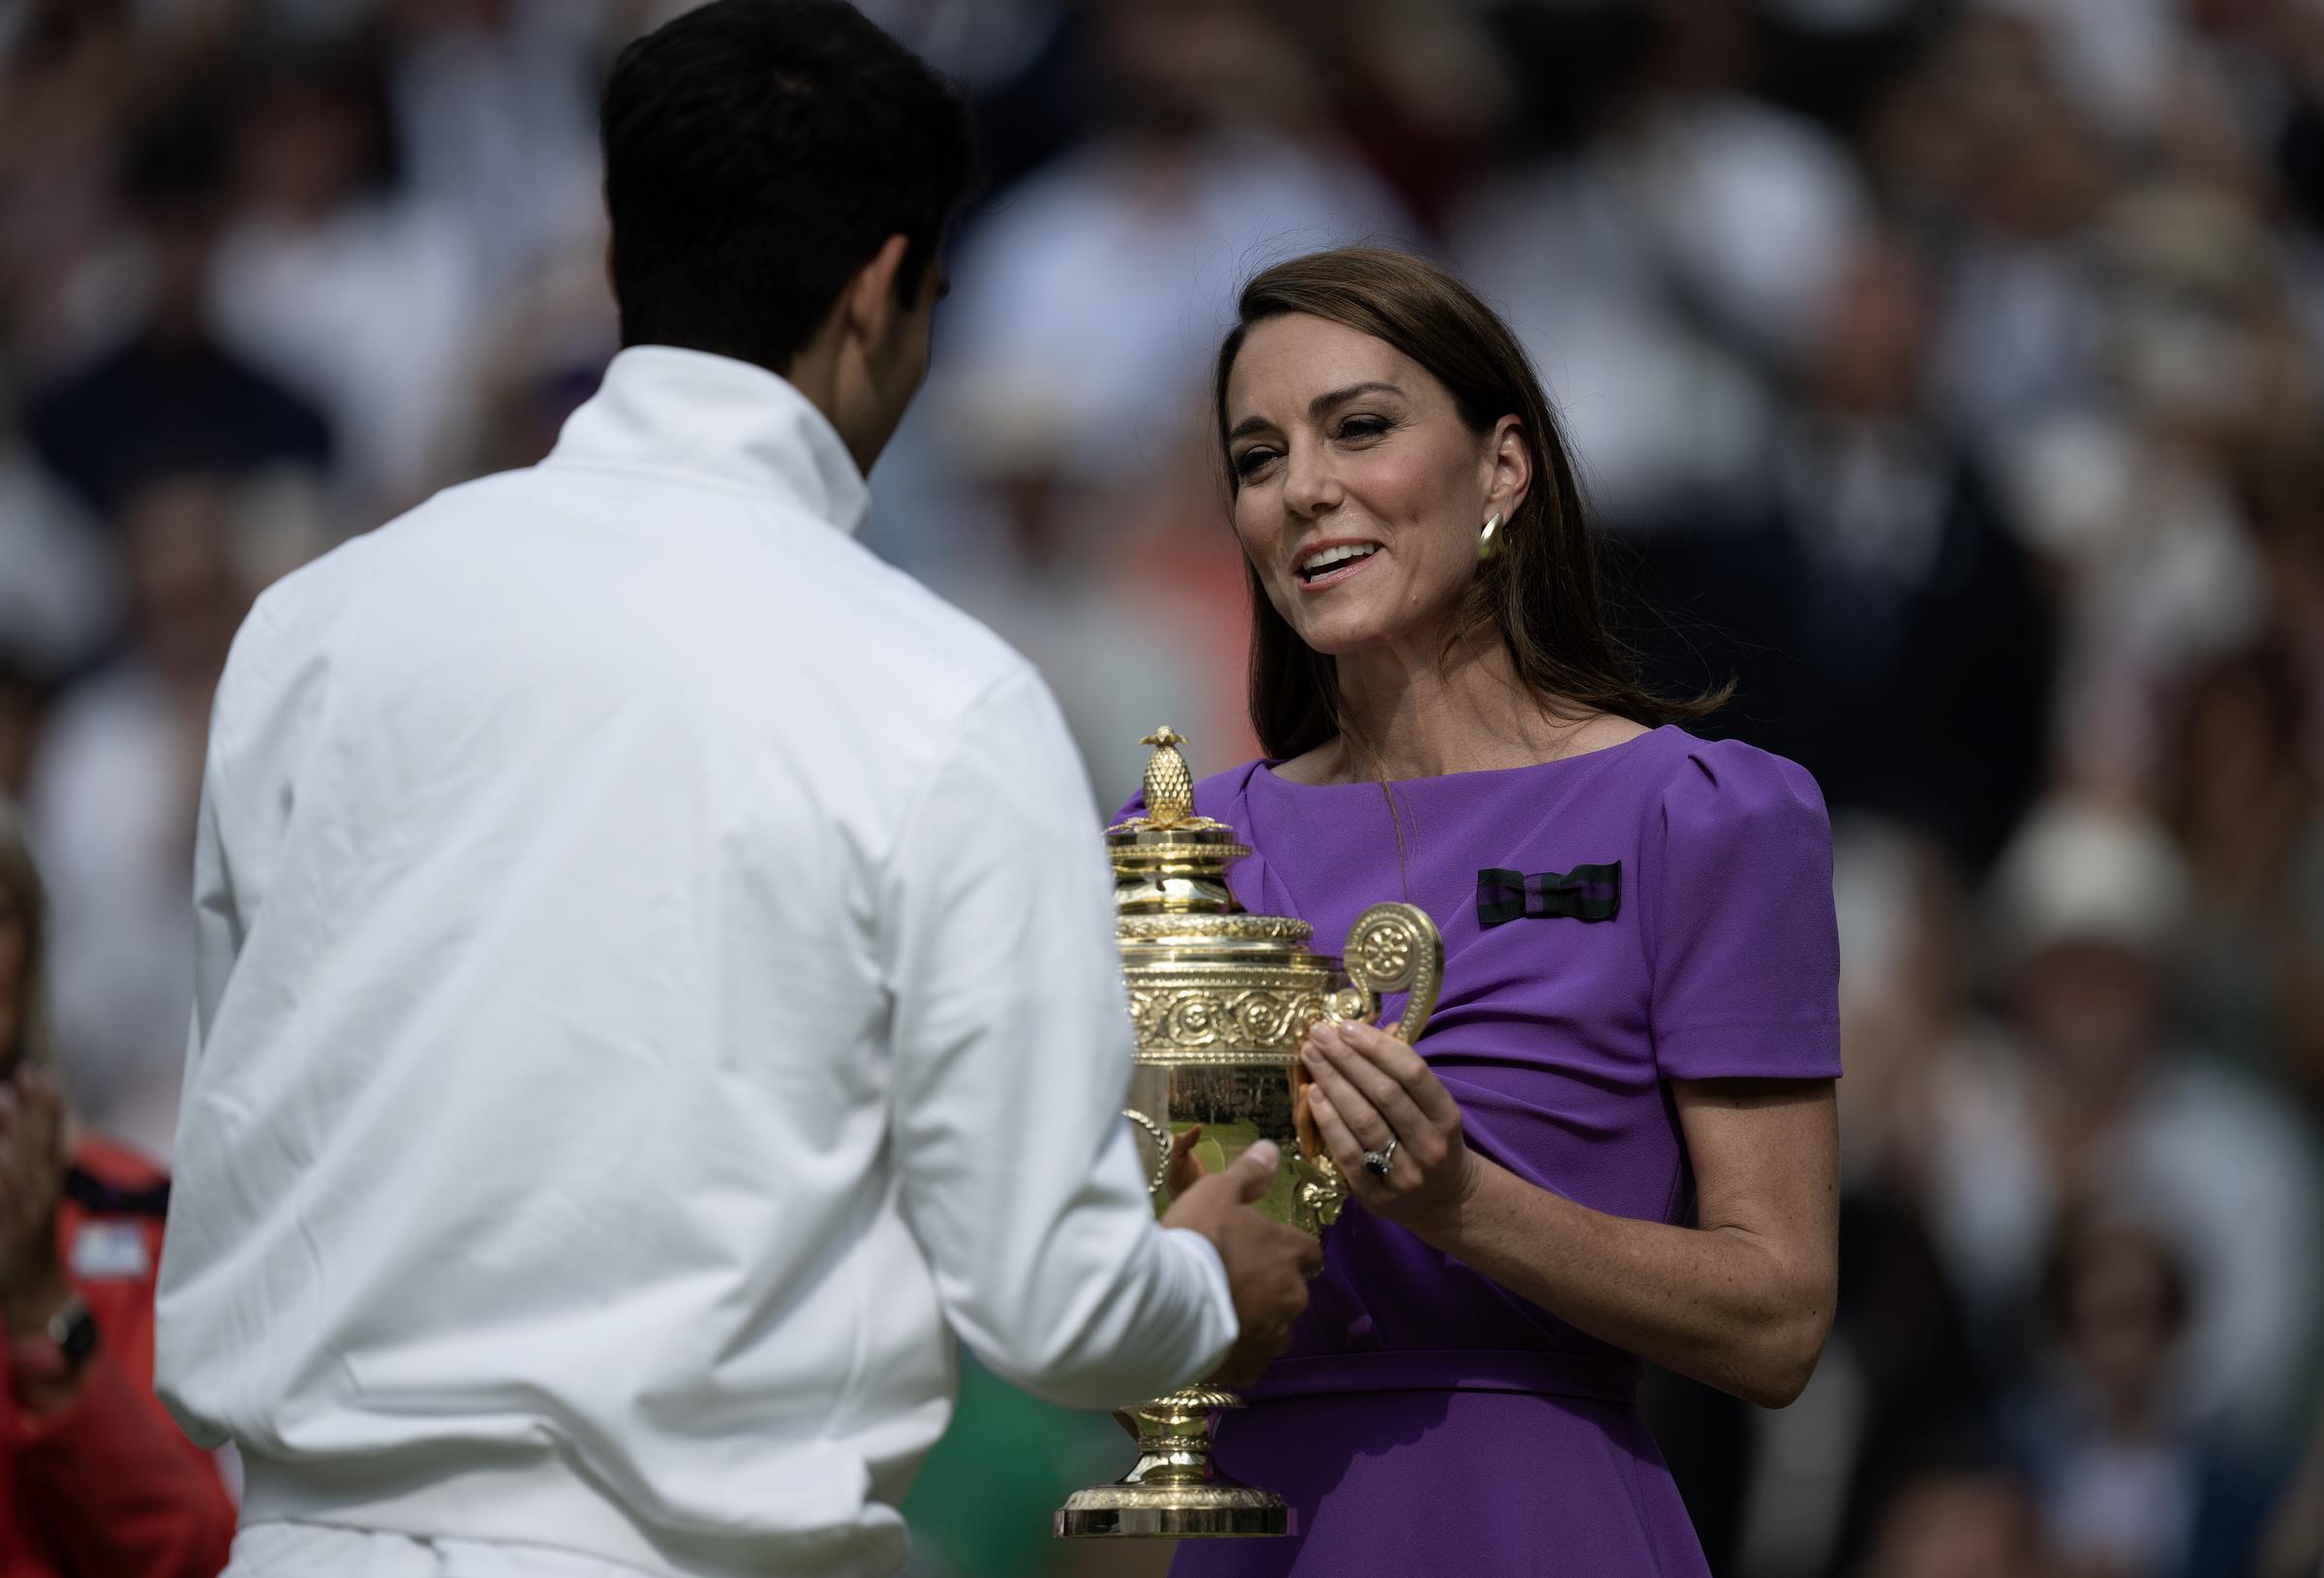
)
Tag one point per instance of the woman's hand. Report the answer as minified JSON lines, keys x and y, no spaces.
{"x":1369,"y":1089}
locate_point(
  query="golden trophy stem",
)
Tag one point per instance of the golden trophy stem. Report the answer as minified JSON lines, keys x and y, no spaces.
{"x":1176,"y":1490}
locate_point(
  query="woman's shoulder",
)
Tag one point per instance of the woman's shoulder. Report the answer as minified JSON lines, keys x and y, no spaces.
{"x":1731,"y":772}
{"x":1223,"y":797}
{"x":1233,"y":780}
{"x":1729,"y":789}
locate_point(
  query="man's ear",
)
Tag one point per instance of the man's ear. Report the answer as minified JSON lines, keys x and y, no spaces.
{"x":869,"y":306}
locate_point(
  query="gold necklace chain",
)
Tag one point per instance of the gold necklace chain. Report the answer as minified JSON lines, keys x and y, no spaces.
{"x":1396,"y":820}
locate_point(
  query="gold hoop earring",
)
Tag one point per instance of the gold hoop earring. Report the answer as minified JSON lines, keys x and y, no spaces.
{"x":1488,"y":540}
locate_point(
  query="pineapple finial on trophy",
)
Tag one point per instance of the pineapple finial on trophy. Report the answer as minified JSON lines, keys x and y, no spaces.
{"x":1169,"y":786}
{"x":1166,"y":859}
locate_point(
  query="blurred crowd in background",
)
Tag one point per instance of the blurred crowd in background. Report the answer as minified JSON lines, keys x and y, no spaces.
{"x":1950,"y":373}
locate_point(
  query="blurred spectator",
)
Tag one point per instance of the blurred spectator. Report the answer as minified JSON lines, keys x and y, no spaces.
{"x":1099,"y":286}
{"x":2243,"y":797}
{"x":2136,"y":510}
{"x":986,"y":45}
{"x":2092,"y":1106}
{"x":1885,"y":624}
{"x":1053,"y":589}
{"x":67,"y":78}
{"x":113,"y":794}
{"x":1962,"y":1514}
{"x":171,"y":397}
{"x":2129,"y":1487}
{"x":366,"y":296}
{"x":94,"y":1479}
{"x":495,"y":121}
{"x":1688,"y":242}
{"x":58,"y":590}
{"x":2114,"y":56}
{"x":2019,"y":336}
{"x":537,"y":361}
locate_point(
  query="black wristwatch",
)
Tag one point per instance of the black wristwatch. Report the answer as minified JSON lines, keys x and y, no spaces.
{"x":73,"y":1331}
{"x":62,"y":1349}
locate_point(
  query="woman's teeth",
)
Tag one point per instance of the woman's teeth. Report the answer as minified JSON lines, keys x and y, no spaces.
{"x":1331,"y":559}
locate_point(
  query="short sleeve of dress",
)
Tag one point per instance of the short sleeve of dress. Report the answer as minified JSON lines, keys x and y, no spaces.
{"x":1743,"y":943}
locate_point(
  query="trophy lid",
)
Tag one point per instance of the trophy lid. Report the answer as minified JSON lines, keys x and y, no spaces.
{"x":1168,"y":859}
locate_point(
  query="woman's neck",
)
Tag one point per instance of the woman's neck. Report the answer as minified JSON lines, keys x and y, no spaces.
{"x":1409,"y":713}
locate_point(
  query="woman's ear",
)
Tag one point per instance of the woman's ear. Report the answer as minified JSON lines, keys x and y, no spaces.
{"x":1508,"y":468}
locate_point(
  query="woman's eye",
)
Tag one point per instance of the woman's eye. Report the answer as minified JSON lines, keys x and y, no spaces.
{"x":1363,"y":427}
{"x":1252,"y":461}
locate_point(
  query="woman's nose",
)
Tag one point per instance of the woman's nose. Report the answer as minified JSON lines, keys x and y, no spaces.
{"x":1309,"y":488}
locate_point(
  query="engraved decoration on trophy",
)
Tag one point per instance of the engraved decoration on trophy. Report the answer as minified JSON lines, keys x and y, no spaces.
{"x":1220,"y":1000}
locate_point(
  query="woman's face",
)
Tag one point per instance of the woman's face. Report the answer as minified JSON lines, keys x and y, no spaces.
{"x":1359,"y":490}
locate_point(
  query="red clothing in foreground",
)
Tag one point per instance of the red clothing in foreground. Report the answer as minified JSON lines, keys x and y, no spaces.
{"x":107,"y":1486}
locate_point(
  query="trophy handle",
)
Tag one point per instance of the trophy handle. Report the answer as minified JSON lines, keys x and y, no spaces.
{"x":1161,"y":1139}
{"x":1392,"y":948}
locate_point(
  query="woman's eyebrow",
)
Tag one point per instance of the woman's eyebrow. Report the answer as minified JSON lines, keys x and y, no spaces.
{"x":1325,"y":402}
{"x":1317,"y":406}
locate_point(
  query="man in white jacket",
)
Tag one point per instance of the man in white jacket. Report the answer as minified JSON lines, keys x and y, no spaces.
{"x":656,"y":974}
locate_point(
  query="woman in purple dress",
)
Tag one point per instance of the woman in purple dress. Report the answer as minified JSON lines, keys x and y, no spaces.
{"x":1615,"y":1140}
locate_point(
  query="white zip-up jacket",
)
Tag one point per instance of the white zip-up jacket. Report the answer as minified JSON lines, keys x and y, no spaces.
{"x":656,"y":977}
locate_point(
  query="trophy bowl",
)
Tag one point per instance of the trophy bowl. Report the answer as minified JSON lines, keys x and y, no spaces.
{"x":1221,"y":1000}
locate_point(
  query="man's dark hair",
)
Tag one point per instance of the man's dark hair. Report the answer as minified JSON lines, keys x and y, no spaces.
{"x":757,"y":154}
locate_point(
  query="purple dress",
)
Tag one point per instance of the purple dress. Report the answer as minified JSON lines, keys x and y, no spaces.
{"x":1657,"y":910}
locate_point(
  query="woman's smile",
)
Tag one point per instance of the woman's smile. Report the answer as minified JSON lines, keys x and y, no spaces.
{"x":1322,"y":566}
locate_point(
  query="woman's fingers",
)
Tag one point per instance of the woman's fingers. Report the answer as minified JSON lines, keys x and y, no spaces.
{"x":1395,"y":1058}
{"x":1388,"y":1096}
{"x":1363,"y":1120}
{"x":1338,"y":1139}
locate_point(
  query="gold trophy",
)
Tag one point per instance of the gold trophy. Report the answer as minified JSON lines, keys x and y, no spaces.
{"x":1221,"y":1000}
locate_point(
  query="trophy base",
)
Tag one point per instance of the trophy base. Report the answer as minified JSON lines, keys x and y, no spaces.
{"x":1176,"y":1492}
{"x":1173,"y":1512}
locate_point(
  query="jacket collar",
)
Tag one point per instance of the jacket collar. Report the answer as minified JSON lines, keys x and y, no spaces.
{"x":667,"y":409}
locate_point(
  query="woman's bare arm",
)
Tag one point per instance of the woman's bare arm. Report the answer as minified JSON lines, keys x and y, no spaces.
{"x":1741,"y":1301}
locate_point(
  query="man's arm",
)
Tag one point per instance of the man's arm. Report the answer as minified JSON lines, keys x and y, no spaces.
{"x":1012,"y":1059}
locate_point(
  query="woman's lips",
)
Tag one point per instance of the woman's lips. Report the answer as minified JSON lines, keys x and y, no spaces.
{"x":1335,"y":574}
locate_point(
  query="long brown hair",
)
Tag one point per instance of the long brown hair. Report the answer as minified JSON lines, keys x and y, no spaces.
{"x":22,"y":895}
{"x":1543,"y":594}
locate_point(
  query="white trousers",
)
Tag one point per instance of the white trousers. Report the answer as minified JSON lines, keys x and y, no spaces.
{"x":314,"y":1550}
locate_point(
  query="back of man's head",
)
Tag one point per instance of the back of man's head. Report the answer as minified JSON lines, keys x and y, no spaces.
{"x":758,"y":155}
